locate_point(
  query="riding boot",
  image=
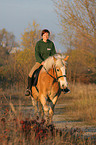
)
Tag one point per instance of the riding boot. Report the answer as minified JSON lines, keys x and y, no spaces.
{"x":28,"y":91}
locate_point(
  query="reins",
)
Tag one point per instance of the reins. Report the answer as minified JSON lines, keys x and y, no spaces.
{"x":50,"y":74}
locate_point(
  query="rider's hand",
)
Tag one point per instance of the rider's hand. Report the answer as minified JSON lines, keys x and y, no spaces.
{"x":42,"y":63}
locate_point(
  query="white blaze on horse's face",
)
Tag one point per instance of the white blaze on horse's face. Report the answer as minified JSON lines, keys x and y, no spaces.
{"x":63,"y":81}
{"x":61,"y":75}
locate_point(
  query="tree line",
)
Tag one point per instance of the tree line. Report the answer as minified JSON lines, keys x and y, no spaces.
{"x":77,"y":19}
{"x":15,"y":66}
{"x":78,"y":22}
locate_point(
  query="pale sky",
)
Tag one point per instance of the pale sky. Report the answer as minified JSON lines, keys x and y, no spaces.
{"x":15,"y":15}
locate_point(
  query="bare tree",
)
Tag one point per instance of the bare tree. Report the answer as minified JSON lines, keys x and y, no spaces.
{"x":77,"y":19}
{"x":7,"y":39}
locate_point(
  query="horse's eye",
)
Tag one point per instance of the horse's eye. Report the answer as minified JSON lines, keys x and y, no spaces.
{"x":57,"y":69}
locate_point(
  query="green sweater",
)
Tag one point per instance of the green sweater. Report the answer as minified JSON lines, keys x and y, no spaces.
{"x":43,"y":50}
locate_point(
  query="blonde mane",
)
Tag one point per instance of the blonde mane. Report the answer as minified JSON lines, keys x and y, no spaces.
{"x":49,"y":62}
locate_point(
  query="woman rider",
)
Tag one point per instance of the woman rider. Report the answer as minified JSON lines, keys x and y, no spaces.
{"x":43,"y":49}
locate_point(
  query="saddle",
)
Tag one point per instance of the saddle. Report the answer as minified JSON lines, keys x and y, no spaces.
{"x":35,"y":76}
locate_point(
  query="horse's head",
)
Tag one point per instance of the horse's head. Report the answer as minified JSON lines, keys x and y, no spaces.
{"x":58,"y":62}
{"x":60,"y":67}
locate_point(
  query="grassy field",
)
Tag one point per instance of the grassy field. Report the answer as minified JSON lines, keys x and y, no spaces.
{"x":79,"y":105}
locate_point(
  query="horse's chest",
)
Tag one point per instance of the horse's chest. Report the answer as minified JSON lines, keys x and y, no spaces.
{"x":53,"y":89}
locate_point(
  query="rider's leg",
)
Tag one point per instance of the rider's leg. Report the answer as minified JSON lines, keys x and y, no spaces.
{"x":28,"y":90}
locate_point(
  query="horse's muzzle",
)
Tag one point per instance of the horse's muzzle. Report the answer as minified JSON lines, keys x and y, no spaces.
{"x":63,"y":86}
{"x":65,"y":90}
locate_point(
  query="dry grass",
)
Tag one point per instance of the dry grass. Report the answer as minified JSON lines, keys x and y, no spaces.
{"x":81,"y":103}
{"x":80,"y":106}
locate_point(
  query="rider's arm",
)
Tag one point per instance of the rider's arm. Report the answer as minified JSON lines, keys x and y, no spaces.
{"x":53,"y":51}
{"x":37,"y":54}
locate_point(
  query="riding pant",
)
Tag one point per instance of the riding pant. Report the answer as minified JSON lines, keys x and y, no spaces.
{"x":36,"y":66}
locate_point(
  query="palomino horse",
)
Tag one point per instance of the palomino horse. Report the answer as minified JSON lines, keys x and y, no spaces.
{"x":51,"y":80}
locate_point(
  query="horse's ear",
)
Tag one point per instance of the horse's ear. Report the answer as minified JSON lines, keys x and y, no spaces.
{"x":54,"y":59}
{"x":66,"y":58}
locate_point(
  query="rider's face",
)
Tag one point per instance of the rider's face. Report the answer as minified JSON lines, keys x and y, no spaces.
{"x":45,"y":36}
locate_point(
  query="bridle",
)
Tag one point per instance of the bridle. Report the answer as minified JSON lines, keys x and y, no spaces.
{"x":55,"y":79}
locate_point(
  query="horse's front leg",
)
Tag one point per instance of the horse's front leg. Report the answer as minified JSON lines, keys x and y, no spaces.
{"x":35,"y":105}
{"x":52,"y":105}
{"x":38,"y":110}
{"x":43,"y":100}
{"x":41,"y":112}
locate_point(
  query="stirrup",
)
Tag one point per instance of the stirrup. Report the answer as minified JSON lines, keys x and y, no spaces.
{"x":28,"y":92}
